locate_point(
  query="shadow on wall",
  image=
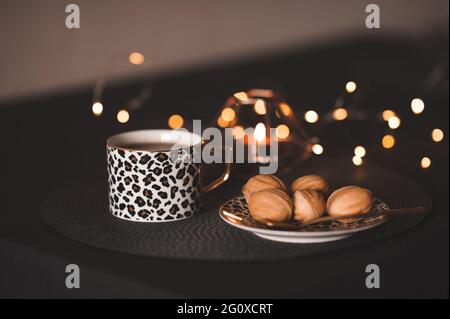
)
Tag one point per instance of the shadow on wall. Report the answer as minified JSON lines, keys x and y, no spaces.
{"x":40,"y":54}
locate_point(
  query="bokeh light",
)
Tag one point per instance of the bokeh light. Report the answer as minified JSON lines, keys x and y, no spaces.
{"x":311,"y":116}
{"x":340,"y":114}
{"x":387,"y":114}
{"x":221,"y":122}
{"x":123,"y":116}
{"x":97,"y":108}
{"x":425,"y":162}
{"x":136,"y":58}
{"x":260,"y":107}
{"x":282,"y":131}
{"x":317,"y":149}
{"x":228,"y":114}
{"x":437,"y":135}
{"x":394,"y":122}
{"x":358,"y":161}
{"x":360,"y":151}
{"x":417,"y":106}
{"x":285,"y":109}
{"x":388,"y":141}
{"x":351,"y":87}
{"x":242,"y":96}
{"x":175,"y":121}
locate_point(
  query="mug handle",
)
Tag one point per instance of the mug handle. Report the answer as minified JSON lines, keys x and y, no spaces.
{"x":218,"y":181}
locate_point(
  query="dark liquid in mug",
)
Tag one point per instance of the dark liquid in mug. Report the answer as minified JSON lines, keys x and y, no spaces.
{"x":149,"y":147}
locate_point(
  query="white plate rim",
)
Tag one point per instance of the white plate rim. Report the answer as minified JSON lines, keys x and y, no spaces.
{"x":294,"y":233}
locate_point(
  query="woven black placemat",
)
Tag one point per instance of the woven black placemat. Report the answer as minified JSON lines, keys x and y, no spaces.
{"x":81,"y":213}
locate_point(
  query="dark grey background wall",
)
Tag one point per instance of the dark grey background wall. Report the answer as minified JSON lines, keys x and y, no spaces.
{"x":38,"y":54}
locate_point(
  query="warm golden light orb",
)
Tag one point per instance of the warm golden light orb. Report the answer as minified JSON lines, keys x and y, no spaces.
{"x":351,"y":87}
{"x":387,"y":114}
{"x":222,"y":123}
{"x":425,"y":162}
{"x":340,"y":114}
{"x":282,"y":131}
{"x":136,"y":58}
{"x":417,"y":106}
{"x":238,"y":132}
{"x":311,"y":116}
{"x":123,"y":116}
{"x":285,"y":109}
{"x":175,"y":121}
{"x":394,"y":122}
{"x":388,"y":141}
{"x":97,"y":108}
{"x":317,"y":149}
{"x":242,"y":96}
{"x":437,"y":135}
{"x":358,"y":161}
{"x":360,"y":151}
{"x":228,"y":114}
{"x":260,"y":107}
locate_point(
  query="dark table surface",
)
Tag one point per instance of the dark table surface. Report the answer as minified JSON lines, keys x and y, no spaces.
{"x":51,"y":141}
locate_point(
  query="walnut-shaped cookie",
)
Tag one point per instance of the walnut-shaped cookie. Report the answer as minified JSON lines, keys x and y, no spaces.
{"x":349,"y":200}
{"x":272,"y":205}
{"x":308,"y":205}
{"x":261,"y":182}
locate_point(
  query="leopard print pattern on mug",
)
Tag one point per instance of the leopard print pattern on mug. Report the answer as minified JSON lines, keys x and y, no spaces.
{"x":150,"y":187}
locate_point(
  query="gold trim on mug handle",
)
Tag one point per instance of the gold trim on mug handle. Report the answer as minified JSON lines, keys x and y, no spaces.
{"x":220,"y":180}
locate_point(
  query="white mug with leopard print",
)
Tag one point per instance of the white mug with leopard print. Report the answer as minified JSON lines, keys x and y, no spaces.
{"x":148,"y":185}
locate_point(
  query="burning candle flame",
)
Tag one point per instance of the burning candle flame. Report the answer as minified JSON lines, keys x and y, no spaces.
{"x":260,"y":132}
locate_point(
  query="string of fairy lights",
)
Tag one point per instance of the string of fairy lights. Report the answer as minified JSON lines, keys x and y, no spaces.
{"x":136,"y":59}
{"x":263,"y":101}
{"x":393,"y":121}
